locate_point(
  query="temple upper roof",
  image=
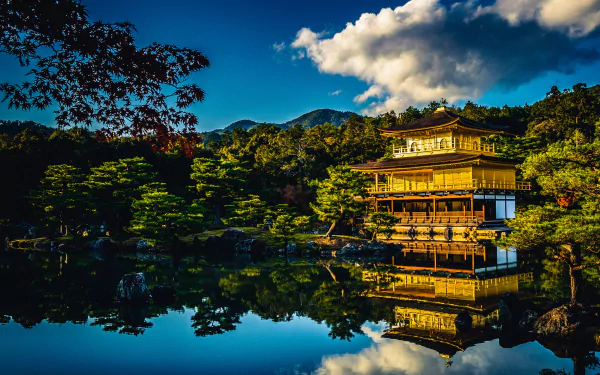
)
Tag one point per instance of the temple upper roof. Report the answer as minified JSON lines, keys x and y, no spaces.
{"x":429,"y":160}
{"x":441,"y":118}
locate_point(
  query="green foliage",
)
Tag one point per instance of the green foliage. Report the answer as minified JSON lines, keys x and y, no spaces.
{"x":336,"y":195}
{"x":381,"y":223}
{"x":216,"y":181}
{"x":246,"y":211}
{"x":161,"y":216}
{"x":562,"y":113}
{"x":116,"y":185}
{"x":569,"y":225}
{"x":61,"y":197}
{"x":285,"y":226}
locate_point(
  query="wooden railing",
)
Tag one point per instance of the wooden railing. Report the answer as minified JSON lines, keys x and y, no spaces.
{"x":408,"y":186}
{"x":444,"y":145}
{"x":439,"y":217}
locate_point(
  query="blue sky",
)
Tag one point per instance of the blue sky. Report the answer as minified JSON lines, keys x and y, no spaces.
{"x":249,"y":79}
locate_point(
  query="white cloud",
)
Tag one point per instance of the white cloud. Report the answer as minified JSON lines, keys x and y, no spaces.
{"x":278,"y":47}
{"x":335,"y":93}
{"x":575,"y":17}
{"x":424,"y":50}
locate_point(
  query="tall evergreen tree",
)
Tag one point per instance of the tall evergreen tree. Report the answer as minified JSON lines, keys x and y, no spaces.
{"x":336,"y":196}
{"x":246,"y":211}
{"x":161,"y":216}
{"x":61,"y":196}
{"x":116,"y":184}
{"x":568,"y":226}
{"x":217,"y":182}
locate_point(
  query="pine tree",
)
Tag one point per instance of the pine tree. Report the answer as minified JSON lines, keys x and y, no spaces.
{"x":116,"y":184}
{"x":286,"y":225}
{"x":336,"y":196}
{"x":246,"y":211}
{"x":61,"y":196}
{"x":381,"y":223}
{"x":217,"y":181}
{"x":567,"y":226}
{"x":162,"y":216}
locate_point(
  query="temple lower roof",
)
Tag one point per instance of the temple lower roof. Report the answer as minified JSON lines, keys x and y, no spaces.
{"x":429,"y":160}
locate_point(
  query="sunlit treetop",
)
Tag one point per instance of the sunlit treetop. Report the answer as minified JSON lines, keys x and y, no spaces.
{"x":93,"y":72}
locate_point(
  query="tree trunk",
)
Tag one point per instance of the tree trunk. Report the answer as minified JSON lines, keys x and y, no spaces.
{"x":331,"y":228}
{"x":328,"y":268}
{"x":575,"y":275}
{"x":217,"y":213}
{"x":575,"y":278}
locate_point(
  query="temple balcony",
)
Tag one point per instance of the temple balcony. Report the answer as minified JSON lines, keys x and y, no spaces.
{"x":430,"y":186}
{"x":451,"y":217}
{"x":443,"y":146}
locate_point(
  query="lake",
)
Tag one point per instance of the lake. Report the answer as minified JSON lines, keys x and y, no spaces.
{"x":58,"y":315}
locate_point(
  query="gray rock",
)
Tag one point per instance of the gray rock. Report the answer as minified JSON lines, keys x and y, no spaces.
{"x":564,"y":321}
{"x":233,"y":235}
{"x":101,"y":248}
{"x":291,"y":247}
{"x":528,"y":319}
{"x":349,"y":249}
{"x":374,"y":247}
{"x":244,"y":246}
{"x":143,"y":245}
{"x":133,"y":289}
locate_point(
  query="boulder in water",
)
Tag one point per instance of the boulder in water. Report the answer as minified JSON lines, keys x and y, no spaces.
{"x":510,"y":309}
{"x":133,"y":289}
{"x":528,"y":319}
{"x":374,"y":247}
{"x":463,"y":321}
{"x":564,"y":321}
{"x":349,"y":249}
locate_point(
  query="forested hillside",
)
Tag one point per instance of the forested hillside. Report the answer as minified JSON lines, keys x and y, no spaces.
{"x":275,"y":164}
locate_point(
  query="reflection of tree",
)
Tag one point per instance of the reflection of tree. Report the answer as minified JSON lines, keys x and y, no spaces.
{"x":129,"y":320}
{"x":341,"y":308}
{"x":40,"y":290}
{"x":211,"y":319}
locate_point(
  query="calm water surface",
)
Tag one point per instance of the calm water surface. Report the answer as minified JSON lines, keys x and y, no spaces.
{"x":263,"y":318}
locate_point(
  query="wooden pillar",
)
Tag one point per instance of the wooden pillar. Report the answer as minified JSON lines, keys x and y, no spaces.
{"x":472,"y":206}
{"x":392,"y":260}
{"x":376,"y":181}
{"x":434,"y":258}
{"x":473,"y":261}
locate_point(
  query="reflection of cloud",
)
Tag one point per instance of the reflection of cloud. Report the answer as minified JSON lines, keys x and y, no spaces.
{"x":335,"y":93}
{"x":388,"y":356}
{"x":425,"y":50}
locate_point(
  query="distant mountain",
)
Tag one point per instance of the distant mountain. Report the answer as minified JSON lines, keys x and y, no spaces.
{"x":244,"y":124}
{"x":310,"y":119}
{"x":13,"y":127}
{"x":320,"y":116}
